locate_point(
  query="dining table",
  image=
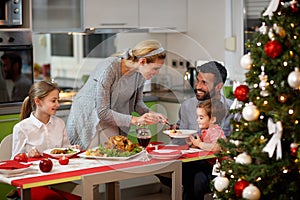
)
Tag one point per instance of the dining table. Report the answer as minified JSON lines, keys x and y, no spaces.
{"x":90,"y":172}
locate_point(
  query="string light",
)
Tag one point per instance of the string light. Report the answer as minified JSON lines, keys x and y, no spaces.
{"x":258,"y":179}
{"x":291,"y":111}
{"x":257,"y":98}
{"x":261,"y":117}
{"x":285,"y":63}
{"x":291,"y":53}
{"x":292,"y":25}
{"x":265,"y":102}
{"x":296,"y":121}
{"x":261,"y":139}
{"x":295,"y":37}
{"x":282,"y":98}
{"x":258,"y":44}
{"x":255,"y":85}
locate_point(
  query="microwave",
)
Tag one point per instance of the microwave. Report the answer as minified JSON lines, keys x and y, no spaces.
{"x":10,"y":13}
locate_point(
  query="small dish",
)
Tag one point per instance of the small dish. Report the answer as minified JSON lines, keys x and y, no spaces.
{"x":180,"y":133}
{"x":72,"y":152}
{"x":165,"y":154}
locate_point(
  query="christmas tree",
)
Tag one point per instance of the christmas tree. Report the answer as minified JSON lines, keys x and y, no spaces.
{"x":259,"y":160}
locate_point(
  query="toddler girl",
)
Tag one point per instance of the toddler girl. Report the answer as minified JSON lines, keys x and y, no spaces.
{"x":210,"y":113}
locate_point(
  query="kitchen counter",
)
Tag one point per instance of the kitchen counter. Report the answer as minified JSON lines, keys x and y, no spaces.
{"x":175,"y":96}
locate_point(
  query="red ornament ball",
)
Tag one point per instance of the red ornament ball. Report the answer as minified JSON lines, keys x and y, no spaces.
{"x":239,"y":186}
{"x":294,"y":7}
{"x":241,"y":92}
{"x":273,"y":49}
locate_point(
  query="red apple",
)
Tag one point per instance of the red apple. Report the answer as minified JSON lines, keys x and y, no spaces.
{"x":64,"y":160}
{"x":21,"y":157}
{"x":46,"y":165}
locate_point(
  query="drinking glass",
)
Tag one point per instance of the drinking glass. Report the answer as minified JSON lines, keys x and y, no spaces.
{"x":143,"y":136}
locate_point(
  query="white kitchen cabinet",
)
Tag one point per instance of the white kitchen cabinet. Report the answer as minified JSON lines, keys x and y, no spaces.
{"x":163,"y":15}
{"x":111,"y":14}
{"x":56,"y":15}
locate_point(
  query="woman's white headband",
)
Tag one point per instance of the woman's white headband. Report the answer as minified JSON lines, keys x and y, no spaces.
{"x":152,"y":53}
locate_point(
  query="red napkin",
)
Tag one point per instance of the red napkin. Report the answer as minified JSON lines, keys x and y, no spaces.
{"x":174,"y":147}
{"x":12,"y":164}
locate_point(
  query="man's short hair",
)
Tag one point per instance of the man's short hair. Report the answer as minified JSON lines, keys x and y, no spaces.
{"x":14,"y":58}
{"x":215,"y":68}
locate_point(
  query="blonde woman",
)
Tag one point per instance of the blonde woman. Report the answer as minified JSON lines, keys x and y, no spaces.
{"x":103,"y":106}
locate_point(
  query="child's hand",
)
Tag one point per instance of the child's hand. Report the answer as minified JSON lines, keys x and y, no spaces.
{"x":34,"y":153}
{"x":196,"y":141}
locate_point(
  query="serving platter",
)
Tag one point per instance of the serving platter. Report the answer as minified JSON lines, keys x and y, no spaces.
{"x":74,"y":152}
{"x":183,"y":133}
{"x":83,"y":155}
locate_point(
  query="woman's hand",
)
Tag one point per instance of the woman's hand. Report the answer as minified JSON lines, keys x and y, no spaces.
{"x":34,"y":153}
{"x":152,"y":118}
{"x":172,"y":127}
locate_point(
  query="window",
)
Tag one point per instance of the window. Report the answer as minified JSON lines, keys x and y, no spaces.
{"x":254,"y":9}
{"x":62,"y":45}
{"x":98,"y":45}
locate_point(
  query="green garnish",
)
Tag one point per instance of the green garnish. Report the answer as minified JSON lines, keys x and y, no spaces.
{"x":117,"y":152}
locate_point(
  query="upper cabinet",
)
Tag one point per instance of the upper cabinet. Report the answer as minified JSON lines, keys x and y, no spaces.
{"x":78,"y":15}
{"x":157,"y":15}
{"x":57,"y":15}
{"x":111,"y":14}
{"x":163,"y":15}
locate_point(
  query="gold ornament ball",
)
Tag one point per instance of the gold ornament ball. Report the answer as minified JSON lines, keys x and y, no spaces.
{"x":281,"y":32}
{"x":294,"y":79}
{"x":246,"y":61}
{"x":250,"y":113}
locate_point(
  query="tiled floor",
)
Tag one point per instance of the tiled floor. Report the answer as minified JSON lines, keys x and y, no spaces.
{"x":151,"y":192}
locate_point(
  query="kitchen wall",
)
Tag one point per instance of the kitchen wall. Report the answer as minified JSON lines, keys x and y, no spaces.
{"x":210,"y":22}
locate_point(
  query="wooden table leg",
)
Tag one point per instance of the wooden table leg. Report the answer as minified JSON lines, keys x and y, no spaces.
{"x":112,"y":191}
{"x":177,"y":183}
{"x":25,"y":194}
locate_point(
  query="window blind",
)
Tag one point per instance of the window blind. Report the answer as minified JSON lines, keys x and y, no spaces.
{"x":254,"y":8}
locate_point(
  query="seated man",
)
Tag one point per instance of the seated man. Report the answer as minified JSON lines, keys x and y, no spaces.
{"x":210,"y":80}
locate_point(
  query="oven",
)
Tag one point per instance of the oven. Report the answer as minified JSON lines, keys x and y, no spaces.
{"x":16,"y":61}
{"x":10,"y":12}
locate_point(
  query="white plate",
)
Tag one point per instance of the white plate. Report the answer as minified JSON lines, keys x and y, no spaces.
{"x":183,"y":133}
{"x":60,"y":155}
{"x":165,"y":154}
{"x":191,"y":150}
{"x":83,"y":155}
